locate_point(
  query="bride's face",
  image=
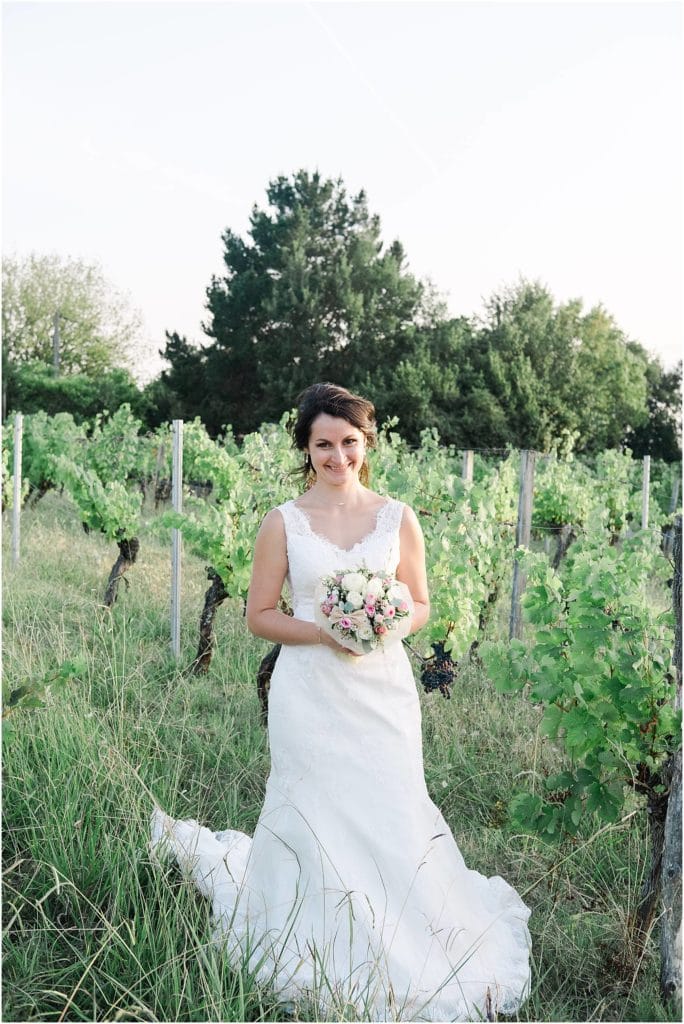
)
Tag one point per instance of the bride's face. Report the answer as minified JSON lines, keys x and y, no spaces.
{"x":336,"y":449}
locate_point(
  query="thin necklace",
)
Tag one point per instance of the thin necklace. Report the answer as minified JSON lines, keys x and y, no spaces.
{"x":337,"y":503}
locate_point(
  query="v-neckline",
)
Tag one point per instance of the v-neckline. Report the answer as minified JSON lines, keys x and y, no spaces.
{"x":329,"y":542}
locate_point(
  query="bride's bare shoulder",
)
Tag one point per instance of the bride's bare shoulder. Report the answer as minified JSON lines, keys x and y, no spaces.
{"x":273,"y":524}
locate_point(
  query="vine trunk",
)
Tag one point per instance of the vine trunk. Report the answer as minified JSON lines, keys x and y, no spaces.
{"x":214,"y":597}
{"x":128,"y":552}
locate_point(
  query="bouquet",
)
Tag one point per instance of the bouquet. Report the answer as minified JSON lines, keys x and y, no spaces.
{"x":362,"y":609}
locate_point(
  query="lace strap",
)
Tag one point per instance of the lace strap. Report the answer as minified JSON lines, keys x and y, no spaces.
{"x":291,"y":519}
{"x":391,"y":515}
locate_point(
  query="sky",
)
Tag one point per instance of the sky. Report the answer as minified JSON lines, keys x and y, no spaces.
{"x":495,"y":140}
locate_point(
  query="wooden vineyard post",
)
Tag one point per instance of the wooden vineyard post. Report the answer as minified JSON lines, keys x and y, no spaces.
{"x":522,"y":538}
{"x":177,"y":501}
{"x":671,"y":878}
{"x":16,"y":498}
{"x":467,"y":472}
{"x":645,"y":492}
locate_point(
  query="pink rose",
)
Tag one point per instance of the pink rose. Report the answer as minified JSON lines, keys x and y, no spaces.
{"x":370,"y":610}
{"x":380,"y":630}
{"x":389,"y":614}
{"x":326,"y":609}
{"x":345,"y":622}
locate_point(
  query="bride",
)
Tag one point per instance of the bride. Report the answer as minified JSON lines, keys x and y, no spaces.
{"x":352,"y":897}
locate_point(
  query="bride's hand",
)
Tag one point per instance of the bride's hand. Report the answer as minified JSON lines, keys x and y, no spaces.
{"x":334,"y":646}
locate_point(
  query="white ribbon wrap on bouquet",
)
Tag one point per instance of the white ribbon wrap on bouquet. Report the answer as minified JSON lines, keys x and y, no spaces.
{"x":397,"y":628}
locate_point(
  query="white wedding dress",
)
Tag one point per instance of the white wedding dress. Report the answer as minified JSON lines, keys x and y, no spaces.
{"x":353,"y":897}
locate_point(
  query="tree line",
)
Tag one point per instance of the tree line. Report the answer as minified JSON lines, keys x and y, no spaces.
{"x":313,"y":293}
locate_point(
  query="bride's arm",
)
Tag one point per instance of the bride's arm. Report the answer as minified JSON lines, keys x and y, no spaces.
{"x":411,"y":569}
{"x":269,"y":569}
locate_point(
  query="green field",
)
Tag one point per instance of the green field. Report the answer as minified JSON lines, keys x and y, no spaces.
{"x":93,"y":930}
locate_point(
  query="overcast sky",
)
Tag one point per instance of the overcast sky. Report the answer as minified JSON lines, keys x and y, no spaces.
{"x":494,"y":139}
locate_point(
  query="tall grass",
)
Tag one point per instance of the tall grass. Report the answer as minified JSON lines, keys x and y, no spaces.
{"x":94,"y":930}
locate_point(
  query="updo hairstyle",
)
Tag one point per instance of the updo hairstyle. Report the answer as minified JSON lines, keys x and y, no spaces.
{"x":335,"y":401}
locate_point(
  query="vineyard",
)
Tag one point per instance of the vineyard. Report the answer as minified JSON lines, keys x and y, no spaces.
{"x":556,"y":742}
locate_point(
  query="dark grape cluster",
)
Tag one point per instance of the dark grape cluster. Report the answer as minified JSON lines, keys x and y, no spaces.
{"x":438,"y":671}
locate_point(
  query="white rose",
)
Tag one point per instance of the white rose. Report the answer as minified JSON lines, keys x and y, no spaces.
{"x":354,"y":581}
{"x":355,"y":599}
{"x":365,"y":633}
{"x":374,"y":586}
{"x":396,"y":592}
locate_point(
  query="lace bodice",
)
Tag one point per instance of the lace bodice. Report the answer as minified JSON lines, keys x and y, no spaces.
{"x":311,"y":556}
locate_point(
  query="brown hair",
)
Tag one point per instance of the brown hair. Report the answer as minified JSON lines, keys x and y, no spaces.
{"x":335,"y":401}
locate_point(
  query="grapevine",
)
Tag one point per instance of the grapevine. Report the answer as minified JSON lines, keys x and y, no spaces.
{"x":98,"y":484}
